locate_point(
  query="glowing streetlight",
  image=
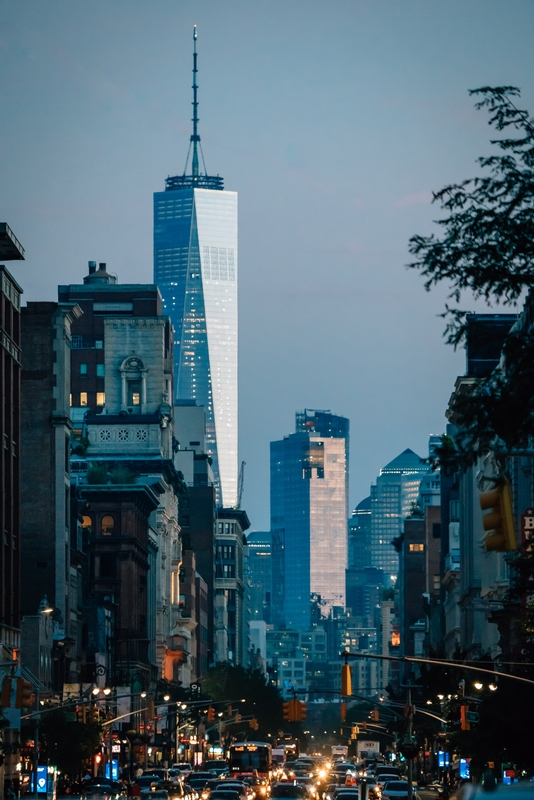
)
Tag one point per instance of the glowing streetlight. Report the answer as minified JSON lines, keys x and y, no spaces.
{"x":166,"y":697}
{"x":478,"y":685}
{"x":96,"y":691}
{"x":143,"y":694}
{"x":493,"y":687}
{"x":107,"y":691}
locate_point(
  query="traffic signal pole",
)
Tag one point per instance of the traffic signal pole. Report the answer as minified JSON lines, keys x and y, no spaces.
{"x":439,"y":662}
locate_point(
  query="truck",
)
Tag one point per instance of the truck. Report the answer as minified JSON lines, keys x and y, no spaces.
{"x":367,"y":749}
{"x":339,"y":751}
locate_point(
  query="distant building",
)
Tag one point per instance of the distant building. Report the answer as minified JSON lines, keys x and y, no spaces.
{"x":195,"y":266}
{"x":308,"y":520}
{"x":51,"y":551}
{"x":260,"y":572}
{"x":393,"y":497}
{"x":359,"y":554}
{"x":231,"y":612}
{"x":10,"y":367}
{"x":364,"y":590}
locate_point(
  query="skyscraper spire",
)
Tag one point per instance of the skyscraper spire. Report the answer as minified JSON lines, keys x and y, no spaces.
{"x":195,"y":138}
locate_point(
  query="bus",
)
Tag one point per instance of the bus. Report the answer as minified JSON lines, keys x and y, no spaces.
{"x":250,"y":756}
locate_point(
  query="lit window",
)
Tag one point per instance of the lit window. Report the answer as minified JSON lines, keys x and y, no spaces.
{"x":100,"y":398}
{"x":70,"y":401}
{"x":417,"y":548}
{"x":395,"y":639}
{"x":108,"y":525}
{"x":100,"y":370}
{"x":83,"y":369}
{"x":83,"y":398}
{"x":87,"y":523}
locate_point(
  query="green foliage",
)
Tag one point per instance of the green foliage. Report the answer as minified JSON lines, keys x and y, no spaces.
{"x":262,"y":700}
{"x":97,"y":473}
{"x":68,"y":745}
{"x":122,"y":474}
{"x":487,"y":247}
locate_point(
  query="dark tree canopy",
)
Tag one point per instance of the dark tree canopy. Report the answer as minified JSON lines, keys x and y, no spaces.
{"x":487,"y":246}
{"x":486,"y":249}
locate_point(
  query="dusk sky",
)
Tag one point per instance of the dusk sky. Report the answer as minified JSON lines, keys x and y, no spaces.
{"x":333,"y":120}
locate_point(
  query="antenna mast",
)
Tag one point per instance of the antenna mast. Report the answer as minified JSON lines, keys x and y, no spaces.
{"x":195,"y":138}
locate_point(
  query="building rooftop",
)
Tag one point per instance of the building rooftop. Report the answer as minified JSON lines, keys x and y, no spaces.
{"x":10,"y":247}
{"x":407,"y":461}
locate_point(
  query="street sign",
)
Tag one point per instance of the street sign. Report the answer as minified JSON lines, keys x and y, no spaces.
{"x":472,"y":716}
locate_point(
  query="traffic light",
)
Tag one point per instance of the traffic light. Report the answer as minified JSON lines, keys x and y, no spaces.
{"x":211,"y":714}
{"x":81,"y":714}
{"x":95,"y":714}
{"x":464,"y":724}
{"x":346,"y":681}
{"x":230,"y":711}
{"x":5,"y":700}
{"x":354,"y":732}
{"x":150,"y":709}
{"x":253,"y":723}
{"x":24,"y":697}
{"x":343,"y":709}
{"x":288,"y":708}
{"x":500,"y":521}
{"x":363,"y":726}
{"x":375,"y":715}
{"x":237,"y":717}
{"x":302,"y":710}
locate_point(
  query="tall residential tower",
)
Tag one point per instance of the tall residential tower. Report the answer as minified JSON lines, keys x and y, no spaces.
{"x":195,"y":266}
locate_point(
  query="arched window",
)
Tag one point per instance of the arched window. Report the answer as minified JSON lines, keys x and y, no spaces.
{"x":133,"y":377}
{"x":87,"y":524}
{"x":108,"y":525}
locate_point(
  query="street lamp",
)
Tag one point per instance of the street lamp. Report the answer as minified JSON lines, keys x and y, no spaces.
{"x":493,"y":687}
{"x":478,"y":685}
{"x":166,"y":697}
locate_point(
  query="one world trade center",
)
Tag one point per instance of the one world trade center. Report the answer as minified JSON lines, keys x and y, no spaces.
{"x":195,"y":266}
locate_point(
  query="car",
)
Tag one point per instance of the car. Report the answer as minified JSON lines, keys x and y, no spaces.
{"x":98,"y":792}
{"x":154,"y":793}
{"x":146,"y":781}
{"x":397,"y":789}
{"x":173,"y":788}
{"x":113,"y":789}
{"x":218,"y":766}
{"x":226,"y":794}
{"x":287,"y":789}
{"x":245,"y":792}
{"x":184,"y":766}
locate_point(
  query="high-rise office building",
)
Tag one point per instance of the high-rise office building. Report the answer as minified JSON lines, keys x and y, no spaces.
{"x":392,"y":498}
{"x":260,"y":574}
{"x":308,"y":522}
{"x":195,"y":266}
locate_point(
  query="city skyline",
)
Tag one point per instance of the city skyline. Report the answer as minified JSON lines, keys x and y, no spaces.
{"x":327,"y":208}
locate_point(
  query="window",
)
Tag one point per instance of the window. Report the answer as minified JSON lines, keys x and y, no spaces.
{"x":100,"y":398}
{"x":417,"y":548}
{"x":437,"y":582}
{"x":83,"y":369}
{"x":100,"y":370}
{"x":134,"y":393}
{"x":99,"y":344}
{"x":70,"y":399}
{"x":108,"y":525}
{"x":87,"y":524}
{"x":83,"y":398}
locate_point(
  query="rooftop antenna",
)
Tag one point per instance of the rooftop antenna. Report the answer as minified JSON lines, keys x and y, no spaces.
{"x":195,"y":138}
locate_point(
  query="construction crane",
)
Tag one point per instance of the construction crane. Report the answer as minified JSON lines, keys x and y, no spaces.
{"x":240,"y":482}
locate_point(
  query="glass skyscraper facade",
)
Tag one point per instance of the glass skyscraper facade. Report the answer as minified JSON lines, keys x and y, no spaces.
{"x":195,"y":267}
{"x":392,"y":497}
{"x":308,"y":525}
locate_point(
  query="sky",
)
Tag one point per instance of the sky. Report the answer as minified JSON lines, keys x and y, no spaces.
{"x":334,"y":121}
